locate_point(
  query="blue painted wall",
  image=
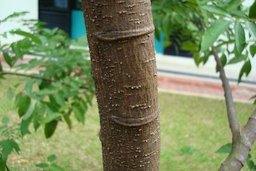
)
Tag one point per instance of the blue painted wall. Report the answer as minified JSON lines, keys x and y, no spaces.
{"x":78,"y":29}
{"x":77,"y":24}
{"x":159,"y":45}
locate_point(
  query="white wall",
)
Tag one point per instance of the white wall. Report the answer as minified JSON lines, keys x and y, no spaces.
{"x":7,"y":7}
{"x":248,"y":3}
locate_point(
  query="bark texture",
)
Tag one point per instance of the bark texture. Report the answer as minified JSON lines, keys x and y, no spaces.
{"x":242,"y":139}
{"x":120,"y":34}
{"x":241,"y":147}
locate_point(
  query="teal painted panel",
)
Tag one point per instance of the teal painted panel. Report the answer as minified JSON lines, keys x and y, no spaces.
{"x":78,"y":29}
{"x":77,"y":24}
{"x":159,"y":45}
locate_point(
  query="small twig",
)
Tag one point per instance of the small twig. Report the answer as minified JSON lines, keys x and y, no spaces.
{"x":26,"y":75}
{"x":34,"y":77}
{"x":224,"y":42}
{"x":231,"y":111}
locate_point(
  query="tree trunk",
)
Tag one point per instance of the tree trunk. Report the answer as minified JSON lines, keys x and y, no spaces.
{"x":120,"y":35}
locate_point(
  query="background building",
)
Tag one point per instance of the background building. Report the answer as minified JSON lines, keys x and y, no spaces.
{"x":67,"y":15}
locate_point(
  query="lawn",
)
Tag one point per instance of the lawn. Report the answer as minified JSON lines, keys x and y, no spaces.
{"x":192,"y":129}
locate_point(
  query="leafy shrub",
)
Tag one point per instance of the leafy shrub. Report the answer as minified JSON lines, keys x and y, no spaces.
{"x":58,"y":82}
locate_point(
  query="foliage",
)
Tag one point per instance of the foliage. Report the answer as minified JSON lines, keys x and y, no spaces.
{"x":50,"y":164}
{"x":250,"y":163}
{"x":58,"y":80}
{"x":225,"y":148}
{"x":8,"y":143}
{"x":199,"y":26}
{"x":224,"y":29}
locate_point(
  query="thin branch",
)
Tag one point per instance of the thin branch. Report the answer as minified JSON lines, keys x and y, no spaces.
{"x":242,"y":140}
{"x":242,"y":147}
{"x":26,"y":75}
{"x":224,"y":42}
{"x":250,"y":129}
{"x":35,"y":77}
{"x":231,"y":111}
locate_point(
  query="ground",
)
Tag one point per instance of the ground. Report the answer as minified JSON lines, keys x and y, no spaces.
{"x":192,"y":129}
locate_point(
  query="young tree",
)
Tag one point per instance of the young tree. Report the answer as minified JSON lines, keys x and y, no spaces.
{"x":225,"y":30}
{"x":120,"y":35}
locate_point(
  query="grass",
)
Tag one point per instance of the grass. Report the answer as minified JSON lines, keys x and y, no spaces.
{"x":192,"y":129}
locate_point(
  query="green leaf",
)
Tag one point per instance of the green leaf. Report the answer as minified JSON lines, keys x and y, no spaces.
{"x":25,"y":43}
{"x":238,"y":13}
{"x":1,"y":67}
{"x":252,"y":11}
{"x":80,"y":109}
{"x":189,"y":46}
{"x":38,"y":115}
{"x":36,"y":121}
{"x":8,"y":146}
{"x":27,"y":34}
{"x":68,"y":120}
{"x":59,"y":99}
{"x":51,"y":116}
{"x":53,"y":105}
{"x":2,"y":164}
{"x":50,"y":128}
{"x":55,"y":167}
{"x":16,"y":50}
{"x":223,"y":60}
{"x":237,"y":59}
{"x":196,"y":59}
{"x":252,"y":28}
{"x":79,"y":115}
{"x":225,"y":148}
{"x":212,"y":33}
{"x":239,"y":37}
{"x":29,"y":86}
{"x":157,"y":33}
{"x":42,"y":165}
{"x":232,"y":5}
{"x":253,"y":50}
{"x":51,"y":158}
{"x":24,"y":126}
{"x":8,"y":59}
{"x":216,"y":10}
{"x":89,"y":97}
{"x":13,"y":15}
{"x":246,"y":69}
{"x":165,"y":24}
{"x":30,"y":109}
{"x":22,"y":102}
{"x":250,"y":163}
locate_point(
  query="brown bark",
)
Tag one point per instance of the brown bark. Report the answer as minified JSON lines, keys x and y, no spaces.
{"x":229,"y":100}
{"x":120,"y":34}
{"x":241,"y":147}
{"x":242,"y":139}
